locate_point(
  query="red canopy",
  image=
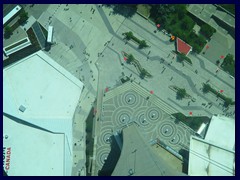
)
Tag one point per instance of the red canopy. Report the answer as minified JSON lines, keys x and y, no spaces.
{"x":183,"y":47}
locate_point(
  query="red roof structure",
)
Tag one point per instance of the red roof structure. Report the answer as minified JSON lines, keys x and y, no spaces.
{"x":183,"y":47}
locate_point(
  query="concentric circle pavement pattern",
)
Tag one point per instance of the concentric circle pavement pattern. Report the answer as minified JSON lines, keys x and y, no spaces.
{"x":130,"y":107}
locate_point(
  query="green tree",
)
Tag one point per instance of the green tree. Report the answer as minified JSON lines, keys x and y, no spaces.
{"x":228,"y":60}
{"x":130,"y":58}
{"x":23,"y":16}
{"x":128,"y":35}
{"x":187,"y":23}
{"x":181,"y":10}
{"x":206,"y":88}
{"x":207,"y":30}
{"x":143,"y":73}
{"x":161,"y":12}
{"x":7,"y":31}
{"x":228,"y":101}
{"x":181,"y":57}
{"x":126,"y":10}
{"x":181,"y":93}
{"x":142,"y":44}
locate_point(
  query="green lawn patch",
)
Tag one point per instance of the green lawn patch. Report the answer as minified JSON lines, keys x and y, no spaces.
{"x":183,"y":57}
{"x":144,"y":9}
{"x":192,"y":122}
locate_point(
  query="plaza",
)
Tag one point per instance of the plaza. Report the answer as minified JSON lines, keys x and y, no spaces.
{"x":88,"y":42}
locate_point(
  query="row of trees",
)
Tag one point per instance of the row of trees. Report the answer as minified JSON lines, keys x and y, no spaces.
{"x":207,"y":88}
{"x":142,"y":43}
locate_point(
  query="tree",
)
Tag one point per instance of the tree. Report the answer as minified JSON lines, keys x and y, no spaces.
{"x":7,"y":31}
{"x":160,"y":12}
{"x":143,"y":73}
{"x":23,"y":17}
{"x":206,"y":88}
{"x":181,"y":10}
{"x":128,"y":35}
{"x":142,"y":44}
{"x":130,"y":58}
{"x":207,"y":30}
{"x":228,"y":60}
{"x":181,"y":93}
{"x":187,"y":23}
{"x":228,"y":101}
{"x":217,"y":62}
{"x":126,"y":10}
{"x":181,"y":57}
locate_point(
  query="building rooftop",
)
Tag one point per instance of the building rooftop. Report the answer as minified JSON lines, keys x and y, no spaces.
{"x":39,"y":91}
{"x":138,"y":159}
{"x":207,"y":159}
{"x":31,"y":151}
{"x":221,"y":131}
{"x":183,"y":47}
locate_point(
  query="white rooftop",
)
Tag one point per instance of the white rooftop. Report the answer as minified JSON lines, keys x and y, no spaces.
{"x":31,"y":151}
{"x":206,"y":159}
{"x":48,"y":93}
{"x":221,"y":132}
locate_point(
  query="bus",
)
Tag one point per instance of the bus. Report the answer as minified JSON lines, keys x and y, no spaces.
{"x":50,"y":34}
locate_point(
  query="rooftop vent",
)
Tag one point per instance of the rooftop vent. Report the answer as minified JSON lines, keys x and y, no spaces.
{"x":22,"y":108}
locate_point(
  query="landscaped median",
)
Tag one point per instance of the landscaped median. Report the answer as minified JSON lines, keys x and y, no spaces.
{"x":129,"y":36}
{"x":182,"y":57}
{"x":131,"y":60}
{"x":228,"y":101}
{"x":192,"y":122}
{"x":181,"y":93}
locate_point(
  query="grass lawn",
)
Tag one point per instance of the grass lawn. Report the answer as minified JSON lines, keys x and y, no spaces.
{"x":192,"y":122}
{"x":144,"y":9}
